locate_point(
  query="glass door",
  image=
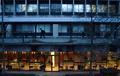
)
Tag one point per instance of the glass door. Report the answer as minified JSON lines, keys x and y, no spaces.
{"x":52,"y":62}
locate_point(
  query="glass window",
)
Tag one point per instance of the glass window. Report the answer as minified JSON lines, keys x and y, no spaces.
{"x":88,"y":8}
{"x":93,"y":8}
{"x":45,"y":27}
{"x":32,"y":8}
{"x":112,"y":9}
{"x":67,"y":7}
{"x":56,"y":8}
{"x":62,"y":28}
{"x":102,"y":8}
{"x":105,"y":28}
{"x":9,"y":8}
{"x":78,"y":28}
{"x":25,"y":28}
{"x":44,"y":8}
{"x":78,"y":8}
{"x":20,"y":7}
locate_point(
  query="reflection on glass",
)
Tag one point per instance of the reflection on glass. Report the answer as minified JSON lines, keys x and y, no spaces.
{"x":93,"y":8}
{"x":62,"y":28}
{"x":9,"y":8}
{"x":56,"y":8}
{"x":45,"y":27}
{"x":32,"y":8}
{"x":20,"y":8}
{"x":44,"y":8}
{"x":104,"y":28}
{"x":77,"y":29}
{"x":67,"y":7}
{"x":78,"y":8}
{"x":88,"y":8}
{"x":25,"y":28}
{"x":102,"y":8}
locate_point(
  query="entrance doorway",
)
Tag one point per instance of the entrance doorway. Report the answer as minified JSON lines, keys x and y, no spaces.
{"x":52,"y":62}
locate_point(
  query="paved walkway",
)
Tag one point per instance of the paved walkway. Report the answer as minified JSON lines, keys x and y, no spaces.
{"x":40,"y":73}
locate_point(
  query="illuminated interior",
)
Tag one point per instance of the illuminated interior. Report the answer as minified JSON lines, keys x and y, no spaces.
{"x":57,"y":61}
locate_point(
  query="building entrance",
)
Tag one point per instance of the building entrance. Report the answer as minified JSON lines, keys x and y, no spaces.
{"x":52,"y":62}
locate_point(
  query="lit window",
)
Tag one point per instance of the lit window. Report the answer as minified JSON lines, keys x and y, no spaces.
{"x":93,"y":8}
{"x":102,"y":8}
{"x":88,"y":8}
{"x":78,"y":8}
{"x":32,"y":8}
{"x":20,"y":8}
{"x":104,"y":28}
{"x":67,"y":7}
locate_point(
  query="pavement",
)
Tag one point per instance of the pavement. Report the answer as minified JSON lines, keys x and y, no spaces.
{"x":61,"y":73}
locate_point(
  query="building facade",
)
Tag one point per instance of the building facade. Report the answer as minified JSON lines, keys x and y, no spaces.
{"x":79,"y":35}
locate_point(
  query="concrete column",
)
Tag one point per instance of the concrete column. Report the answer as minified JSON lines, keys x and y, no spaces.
{"x":73,"y":6}
{"x":38,"y":7}
{"x":0,"y":6}
{"x":14,"y":3}
{"x":97,"y":7}
{"x":26,"y":7}
{"x":119,"y":9}
{"x":55,"y":30}
{"x":61,"y":7}
{"x":49,"y":7}
{"x":85,"y":8}
{"x":108,"y":11}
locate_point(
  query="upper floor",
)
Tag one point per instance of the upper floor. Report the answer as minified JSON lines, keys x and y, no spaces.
{"x":60,"y":11}
{"x":60,"y":7}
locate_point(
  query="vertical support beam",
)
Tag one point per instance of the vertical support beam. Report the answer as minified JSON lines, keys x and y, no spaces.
{"x":119,"y":9}
{"x":0,"y":6}
{"x":61,"y":6}
{"x":14,"y":5}
{"x":85,"y":8}
{"x":108,"y":11}
{"x":26,"y":7}
{"x":97,"y":7}
{"x":73,"y":6}
{"x":49,"y":7}
{"x":37,"y":7}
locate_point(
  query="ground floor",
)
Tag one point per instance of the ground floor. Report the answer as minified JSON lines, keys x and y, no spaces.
{"x":58,"y":59}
